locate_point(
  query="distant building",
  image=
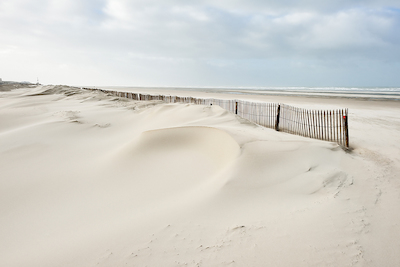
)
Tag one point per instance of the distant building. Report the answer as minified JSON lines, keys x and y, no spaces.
{"x":1,"y":80}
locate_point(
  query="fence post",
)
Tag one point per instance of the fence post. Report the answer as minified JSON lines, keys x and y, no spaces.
{"x":277,"y":118}
{"x":346,"y":128}
{"x":236,"y":108}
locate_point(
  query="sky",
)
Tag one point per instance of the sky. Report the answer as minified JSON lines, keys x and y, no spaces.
{"x":205,"y":43}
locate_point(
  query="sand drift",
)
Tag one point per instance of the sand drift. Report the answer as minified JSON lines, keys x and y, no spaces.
{"x":94,"y":180}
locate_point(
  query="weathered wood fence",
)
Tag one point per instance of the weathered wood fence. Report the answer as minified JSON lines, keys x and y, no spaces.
{"x":329,"y":125}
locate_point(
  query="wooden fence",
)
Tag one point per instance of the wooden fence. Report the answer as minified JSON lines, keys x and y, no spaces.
{"x":328,"y":125}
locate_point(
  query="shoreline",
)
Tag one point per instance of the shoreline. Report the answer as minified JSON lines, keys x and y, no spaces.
{"x":370,"y":94}
{"x":306,"y":101}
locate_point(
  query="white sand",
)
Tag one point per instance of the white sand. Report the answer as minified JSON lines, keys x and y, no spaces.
{"x":91,"y":180}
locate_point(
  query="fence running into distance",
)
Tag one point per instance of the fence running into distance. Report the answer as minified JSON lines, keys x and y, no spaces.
{"x":328,"y":125}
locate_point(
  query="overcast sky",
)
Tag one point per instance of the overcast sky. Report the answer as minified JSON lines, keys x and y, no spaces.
{"x":201,"y":43}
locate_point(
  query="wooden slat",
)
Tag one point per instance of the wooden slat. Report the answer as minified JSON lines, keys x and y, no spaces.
{"x":340,"y":127}
{"x":347,"y":128}
{"x":294,"y":120}
{"x":297,"y":119}
{"x":303,"y":120}
{"x":300,"y":111}
{"x":303,"y":115}
{"x":320,"y":124}
{"x":291,"y":120}
{"x":333,"y":125}
{"x":316,"y":129}
{"x":330,"y":125}
{"x":337,"y":126}
{"x":309,"y":124}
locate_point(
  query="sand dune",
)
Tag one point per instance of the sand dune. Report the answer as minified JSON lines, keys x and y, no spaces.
{"x":93,"y":180}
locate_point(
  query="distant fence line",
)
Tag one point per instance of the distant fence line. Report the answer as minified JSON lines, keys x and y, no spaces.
{"x":328,"y":125}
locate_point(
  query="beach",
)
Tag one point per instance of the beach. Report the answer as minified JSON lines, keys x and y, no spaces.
{"x":89,"y":179}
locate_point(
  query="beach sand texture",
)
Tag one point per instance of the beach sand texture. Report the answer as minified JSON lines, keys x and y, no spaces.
{"x":93,"y":180}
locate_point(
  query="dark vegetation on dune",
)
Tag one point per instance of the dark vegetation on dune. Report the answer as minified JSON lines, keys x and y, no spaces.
{"x":8,"y":86}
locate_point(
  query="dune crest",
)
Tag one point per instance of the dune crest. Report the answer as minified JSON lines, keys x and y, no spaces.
{"x":207,"y":146}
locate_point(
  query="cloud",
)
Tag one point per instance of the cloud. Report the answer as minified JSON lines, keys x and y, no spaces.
{"x":207,"y":37}
{"x":208,"y":31}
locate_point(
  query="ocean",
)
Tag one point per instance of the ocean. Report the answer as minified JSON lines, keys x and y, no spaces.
{"x":369,"y":93}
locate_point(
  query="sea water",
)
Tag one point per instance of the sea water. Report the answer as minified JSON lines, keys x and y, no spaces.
{"x":370,"y":93}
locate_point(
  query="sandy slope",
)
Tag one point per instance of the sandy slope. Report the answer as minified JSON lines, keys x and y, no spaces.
{"x":92,"y":180}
